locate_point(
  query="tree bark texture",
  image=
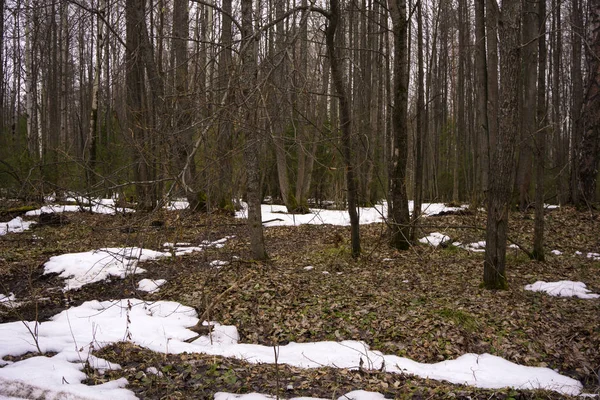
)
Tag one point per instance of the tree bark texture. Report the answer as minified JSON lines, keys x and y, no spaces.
{"x":590,"y":143}
{"x":250,"y":132}
{"x":400,"y":224}
{"x":502,"y":166}
{"x":540,"y":136}
{"x":345,"y":124}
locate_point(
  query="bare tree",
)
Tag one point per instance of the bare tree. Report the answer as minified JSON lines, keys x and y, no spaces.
{"x":400,"y":220}
{"x":249,"y":132}
{"x":590,"y":142}
{"x":502,"y":166}
{"x":540,"y":135}
{"x":345,"y":123}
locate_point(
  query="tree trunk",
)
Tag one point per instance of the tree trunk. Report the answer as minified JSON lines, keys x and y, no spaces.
{"x":527,"y":103}
{"x":92,"y":139}
{"x":182,"y":137}
{"x":577,"y":33}
{"x":540,"y":136}
{"x":492,"y":74}
{"x":345,"y":124}
{"x":421,"y":118}
{"x":561,"y":149}
{"x":400,"y":225}
{"x":249,"y":55}
{"x":590,"y":143}
{"x":502,"y":165}
{"x":482,"y":92}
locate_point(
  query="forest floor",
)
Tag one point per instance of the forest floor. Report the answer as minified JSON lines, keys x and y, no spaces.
{"x":426,"y":303}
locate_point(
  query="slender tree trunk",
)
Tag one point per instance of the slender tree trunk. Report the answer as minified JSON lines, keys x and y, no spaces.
{"x":400,"y":225}
{"x":492,"y":74}
{"x":527,"y":102}
{"x":421,"y":118}
{"x":345,"y":123}
{"x":502,"y":166}
{"x":561,"y":150}
{"x":92,"y":139}
{"x":540,"y":136}
{"x":577,"y":33}
{"x":482,"y":92}
{"x":250,"y":133}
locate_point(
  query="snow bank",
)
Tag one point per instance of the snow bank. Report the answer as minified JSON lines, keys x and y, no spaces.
{"x":563,"y":289}
{"x":161,"y":326}
{"x":150,"y":285}
{"x":98,"y":206}
{"x":277,"y":215}
{"x":355,"y":395}
{"x":15,"y":225}
{"x":80,"y":269}
{"x":435,"y":239}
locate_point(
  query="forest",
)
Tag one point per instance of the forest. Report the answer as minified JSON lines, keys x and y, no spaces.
{"x":327,"y":198}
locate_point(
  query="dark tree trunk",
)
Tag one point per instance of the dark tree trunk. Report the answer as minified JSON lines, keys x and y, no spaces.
{"x":590,"y":143}
{"x":482,"y":92}
{"x":540,"y":136}
{"x":400,"y":224}
{"x":421,"y":131}
{"x":577,"y":33}
{"x":502,"y":166}
{"x":527,"y":103}
{"x":250,"y":132}
{"x":182,"y":136}
{"x":345,"y":124}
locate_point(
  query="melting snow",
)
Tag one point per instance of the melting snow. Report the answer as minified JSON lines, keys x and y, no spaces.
{"x":435,"y":239}
{"x":151,"y":285}
{"x":161,"y":326}
{"x":15,"y":225}
{"x":563,"y":289}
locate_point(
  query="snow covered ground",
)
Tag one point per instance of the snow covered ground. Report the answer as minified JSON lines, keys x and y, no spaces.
{"x":162,"y":326}
{"x":79,"y":269}
{"x":276,"y":215}
{"x":563,"y":289}
{"x":97,"y":206}
{"x":15,"y":225}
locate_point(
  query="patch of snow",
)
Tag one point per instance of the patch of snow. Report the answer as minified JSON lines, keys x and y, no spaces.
{"x":563,"y":289}
{"x":80,"y":269}
{"x":177,"y":205}
{"x":354,"y":395}
{"x":150,"y":285}
{"x":218,"y":263}
{"x":513,"y":246}
{"x":98,"y":206}
{"x":308,"y":267}
{"x":325,"y":273}
{"x":277,"y":215}
{"x":56,"y":378}
{"x":435,"y":239}
{"x":556,"y":252}
{"x":15,"y":225}
{"x":477,"y":247}
{"x":162,"y":326}
{"x":153,"y":371}
{"x":9,"y":301}
{"x":593,"y":256}
{"x":7,"y":298}
{"x":578,"y":253}
{"x":180,"y":249}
